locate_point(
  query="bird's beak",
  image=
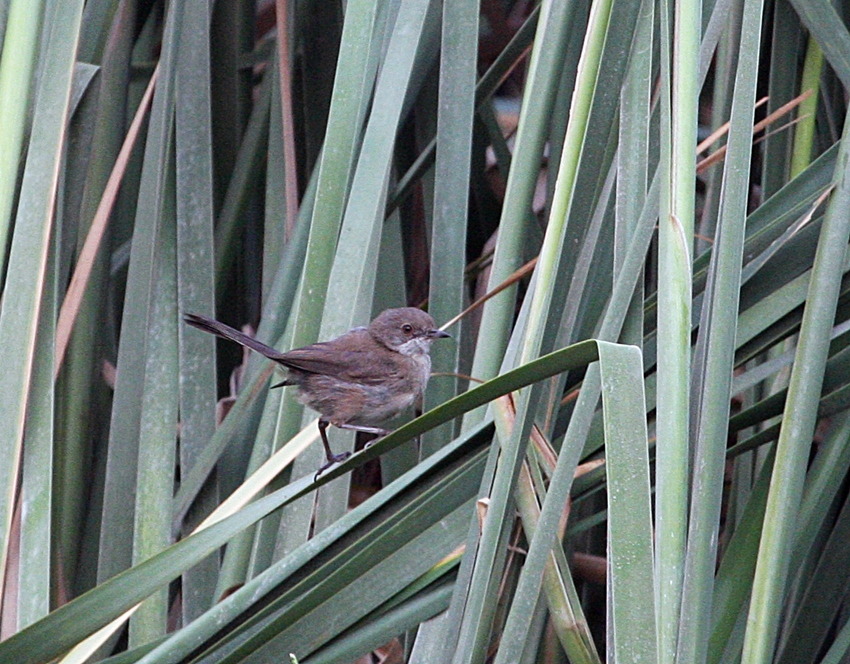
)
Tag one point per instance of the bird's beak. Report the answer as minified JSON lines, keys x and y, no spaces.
{"x":438,"y":334}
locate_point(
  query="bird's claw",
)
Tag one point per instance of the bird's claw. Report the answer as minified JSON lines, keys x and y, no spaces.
{"x":333,"y":459}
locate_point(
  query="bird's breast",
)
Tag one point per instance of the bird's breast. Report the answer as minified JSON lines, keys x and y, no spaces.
{"x":423,"y":369}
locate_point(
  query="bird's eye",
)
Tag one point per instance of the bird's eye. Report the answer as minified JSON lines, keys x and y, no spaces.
{"x":407,"y":329}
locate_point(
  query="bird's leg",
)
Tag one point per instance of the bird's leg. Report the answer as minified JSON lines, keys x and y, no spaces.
{"x":378,"y":431}
{"x":330,"y":456}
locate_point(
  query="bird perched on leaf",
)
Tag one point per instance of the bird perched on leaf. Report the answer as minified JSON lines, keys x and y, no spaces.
{"x":357,"y":380}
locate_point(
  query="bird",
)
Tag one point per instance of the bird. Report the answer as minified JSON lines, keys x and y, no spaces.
{"x":357,"y":380}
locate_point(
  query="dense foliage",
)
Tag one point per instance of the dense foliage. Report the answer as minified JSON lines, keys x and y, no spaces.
{"x":635,"y":449}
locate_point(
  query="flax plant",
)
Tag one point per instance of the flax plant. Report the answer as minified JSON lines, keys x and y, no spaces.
{"x":633,"y":449}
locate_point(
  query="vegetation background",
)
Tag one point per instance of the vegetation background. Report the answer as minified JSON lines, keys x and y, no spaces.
{"x":656,"y":194}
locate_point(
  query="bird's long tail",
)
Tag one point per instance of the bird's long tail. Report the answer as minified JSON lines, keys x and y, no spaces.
{"x":227,"y":332}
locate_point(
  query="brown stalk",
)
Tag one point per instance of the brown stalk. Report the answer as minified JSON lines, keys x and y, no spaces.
{"x":510,"y":281}
{"x":721,"y":152}
{"x":82,"y":272}
{"x":284,"y":62}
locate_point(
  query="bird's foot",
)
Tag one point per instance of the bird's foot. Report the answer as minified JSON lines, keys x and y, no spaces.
{"x":332,"y":459}
{"x":377,"y":439}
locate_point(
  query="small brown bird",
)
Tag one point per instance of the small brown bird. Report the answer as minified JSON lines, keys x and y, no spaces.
{"x":361,"y":378}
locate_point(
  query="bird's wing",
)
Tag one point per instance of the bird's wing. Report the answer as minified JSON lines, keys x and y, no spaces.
{"x":357,"y":365}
